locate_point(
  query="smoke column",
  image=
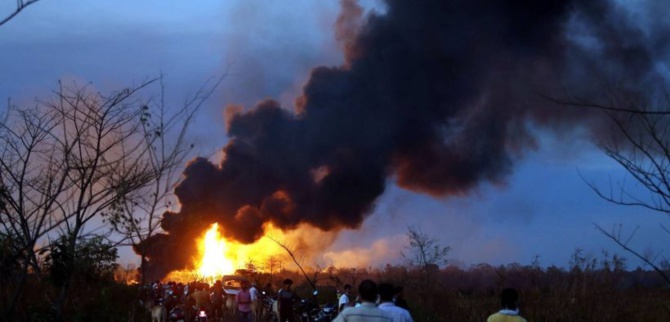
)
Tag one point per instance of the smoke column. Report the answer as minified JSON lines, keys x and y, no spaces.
{"x":436,"y":96}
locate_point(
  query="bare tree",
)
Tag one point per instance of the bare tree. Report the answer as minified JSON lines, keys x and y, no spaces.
{"x":29,"y":185}
{"x":137,"y":215}
{"x":101,"y":143}
{"x":126,"y":274}
{"x":424,"y":251}
{"x":624,"y":242}
{"x":640,"y":144}
{"x":273,"y":264}
{"x":20,"y":5}
{"x":425,"y":254}
{"x":64,"y":163}
{"x":645,"y":155}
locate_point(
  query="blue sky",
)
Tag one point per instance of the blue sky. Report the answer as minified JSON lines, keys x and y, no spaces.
{"x":543,"y":208}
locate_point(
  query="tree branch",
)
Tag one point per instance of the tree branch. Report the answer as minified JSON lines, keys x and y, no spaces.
{"x":616,"y":237}
{"x":311,"y":283}
{"x":20,"y":5}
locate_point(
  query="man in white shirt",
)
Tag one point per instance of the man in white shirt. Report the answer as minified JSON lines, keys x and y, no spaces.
{"x":254,"y":300}
{"x":386,"y":292}
{"x":344,"y":298}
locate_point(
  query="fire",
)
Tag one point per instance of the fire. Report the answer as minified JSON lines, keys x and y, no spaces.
{"x":218,"y":256}
{"x":214,"y":262}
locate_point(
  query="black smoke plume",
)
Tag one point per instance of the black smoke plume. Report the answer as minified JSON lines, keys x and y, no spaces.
{"x":435,"y":95}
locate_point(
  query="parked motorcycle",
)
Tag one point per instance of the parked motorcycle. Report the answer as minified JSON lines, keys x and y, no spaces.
{"x":306,"y":310}
{"x":326,"y":313}
{"x":201,"y":315}
{"x":177,"y":315}
{"x":267,"y":312}
{"x":171,"y":299}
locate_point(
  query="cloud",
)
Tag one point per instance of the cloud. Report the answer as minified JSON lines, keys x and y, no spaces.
{"x":380,"y":251}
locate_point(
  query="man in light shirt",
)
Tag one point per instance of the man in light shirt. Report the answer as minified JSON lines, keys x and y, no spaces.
{"x":386,"y":292}
{"x":255,"y":307}
{"x":367,"y":311}
{"x":344,"y":298}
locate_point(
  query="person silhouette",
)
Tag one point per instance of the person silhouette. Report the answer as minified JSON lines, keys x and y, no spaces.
{"x":509,"y":300}
{"x":285,"y":300}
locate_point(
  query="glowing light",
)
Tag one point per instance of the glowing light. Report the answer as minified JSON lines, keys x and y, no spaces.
{"x":214,"y":262}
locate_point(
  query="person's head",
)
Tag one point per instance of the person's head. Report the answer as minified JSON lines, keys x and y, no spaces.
{"x":244,"y":285}
{"x":347,"y":288}
{"x":368,"y":291}
{"x":287,"y":283}
{"x":509,"y":299}
{"x":386,"y":292}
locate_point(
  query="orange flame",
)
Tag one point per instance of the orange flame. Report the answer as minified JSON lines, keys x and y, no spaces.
{"x":218,"y":256}
{"x":214,"y":262}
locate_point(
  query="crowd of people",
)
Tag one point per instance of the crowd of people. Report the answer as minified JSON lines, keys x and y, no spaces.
{"x":384,"y":303}
{"x":381,"y":302}
{"x":374,"y":303}
{"x":191,"y":297}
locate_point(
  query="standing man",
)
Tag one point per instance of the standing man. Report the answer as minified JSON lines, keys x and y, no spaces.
{"x":255,"y":307}
{"x":344,"y":298}
{"x":367,"y":311}
{"x":201,"y":298}
{"x":243,"y":300}
{"x":285,"y":299}
{"x":216,"y":297}
{"x":386,"y":304}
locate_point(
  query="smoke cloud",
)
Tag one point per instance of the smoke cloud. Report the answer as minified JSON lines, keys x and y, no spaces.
{"x":436,"y":96}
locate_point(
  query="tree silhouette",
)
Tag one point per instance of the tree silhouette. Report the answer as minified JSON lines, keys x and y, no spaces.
{"x":640,"y":144}
{"x":64,"y":163}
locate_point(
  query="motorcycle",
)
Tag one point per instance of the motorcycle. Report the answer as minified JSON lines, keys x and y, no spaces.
{"x":306,"y":310}
{"x":201,"y":315}
{"x":267,"y":303}
{"x":177,"y":315}
{"x":326,"y":314}
{"x":171,"y":300}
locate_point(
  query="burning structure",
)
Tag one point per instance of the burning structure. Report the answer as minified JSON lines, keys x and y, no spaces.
{"x":437,"y":96}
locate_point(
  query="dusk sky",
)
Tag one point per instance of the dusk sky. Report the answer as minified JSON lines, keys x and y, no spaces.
{"x":542,"y":206}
